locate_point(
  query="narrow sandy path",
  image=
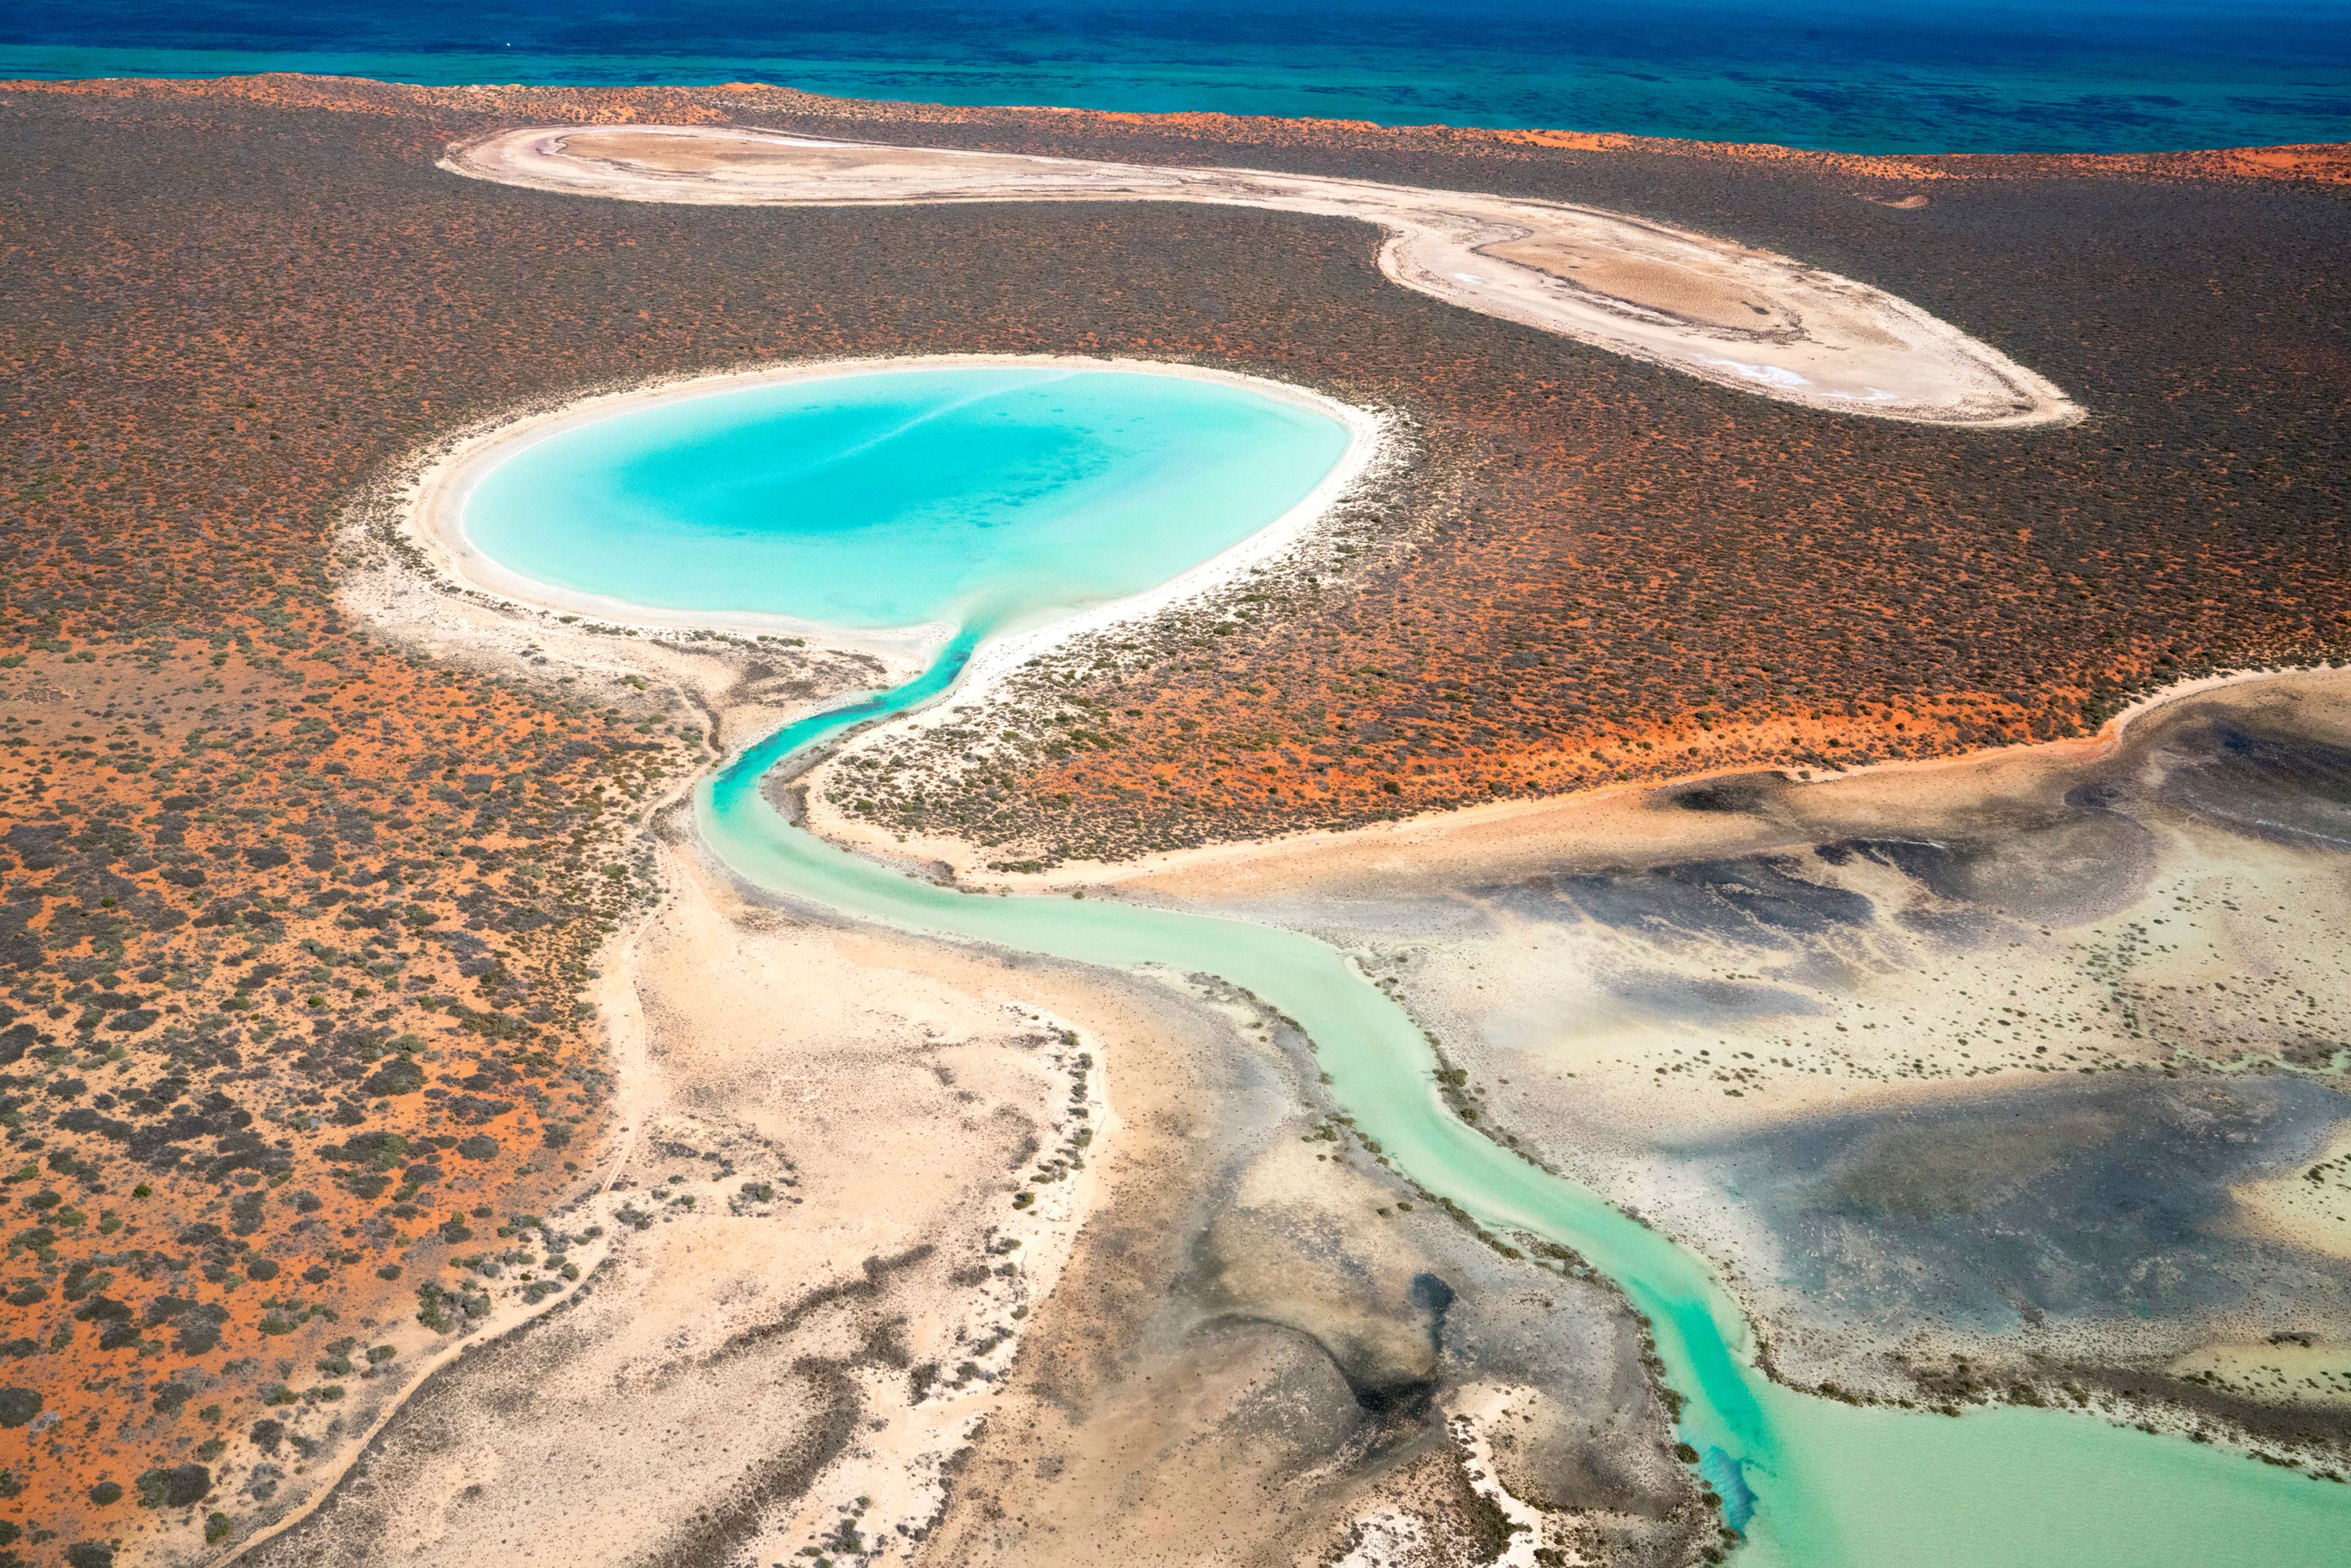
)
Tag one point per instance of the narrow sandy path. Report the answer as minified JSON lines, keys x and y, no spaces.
{"x":1709,"y":307}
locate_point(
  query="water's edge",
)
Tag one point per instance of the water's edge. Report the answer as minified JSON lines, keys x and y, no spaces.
{"x":1811,"y":1482}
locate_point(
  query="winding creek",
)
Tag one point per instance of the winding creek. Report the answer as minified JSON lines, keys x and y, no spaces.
{"x":1811,"y":1483}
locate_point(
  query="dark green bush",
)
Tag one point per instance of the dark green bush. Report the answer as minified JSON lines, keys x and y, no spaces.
{"x":181,"y":1486}
{"x":398,"y":1076}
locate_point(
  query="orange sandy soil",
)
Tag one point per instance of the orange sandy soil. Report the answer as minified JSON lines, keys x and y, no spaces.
{"x":292,"y":1028}
{"x":293,"y":928}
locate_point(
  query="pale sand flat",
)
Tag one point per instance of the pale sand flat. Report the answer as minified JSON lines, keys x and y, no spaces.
{"x":1709,"y":307}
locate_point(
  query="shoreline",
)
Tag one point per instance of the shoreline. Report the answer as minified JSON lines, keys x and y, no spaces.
{"x":2092,"y":745}
{"x":734,"y":678}
{"x":431,"y":519}
{"x":968,"y":862}
{"x":1756,"y":321}
{"x":433,"y":506}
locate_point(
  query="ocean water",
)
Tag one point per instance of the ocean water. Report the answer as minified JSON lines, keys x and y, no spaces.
{"x":938,"y":496}
{"x":986,"y":497}
{"x":1887,"y":76}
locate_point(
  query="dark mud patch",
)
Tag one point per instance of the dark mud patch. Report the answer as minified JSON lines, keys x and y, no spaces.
{"x":2043,"y":1207}
{"x":1729,"y":795}
{"x":1762,"y":900}
{"x":2068,"y":869}
{"x":2260,"y":780}
{"x":1713,"y":1002}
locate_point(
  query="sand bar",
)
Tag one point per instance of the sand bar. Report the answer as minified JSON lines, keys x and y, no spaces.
{"x":1707,"y":307}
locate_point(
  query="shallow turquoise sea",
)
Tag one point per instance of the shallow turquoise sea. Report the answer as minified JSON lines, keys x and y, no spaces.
{"x":1886,"y":75}
{"x":1809,"y":1482}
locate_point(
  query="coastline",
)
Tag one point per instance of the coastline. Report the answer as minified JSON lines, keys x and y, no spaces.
{"x":2313,"y":162}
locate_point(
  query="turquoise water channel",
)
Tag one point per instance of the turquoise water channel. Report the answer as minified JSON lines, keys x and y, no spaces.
{"x":1811,"y":1483}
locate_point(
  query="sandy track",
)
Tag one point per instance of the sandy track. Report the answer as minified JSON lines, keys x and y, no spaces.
{"x":1706,"y":306}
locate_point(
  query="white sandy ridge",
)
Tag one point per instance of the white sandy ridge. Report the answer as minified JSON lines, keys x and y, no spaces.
{"x":1704,"y":306}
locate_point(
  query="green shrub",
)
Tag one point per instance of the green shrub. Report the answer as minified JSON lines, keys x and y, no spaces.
{"x":181,"y":1486}
{"x":432,"y":1307}
{"x":398,"y":1076}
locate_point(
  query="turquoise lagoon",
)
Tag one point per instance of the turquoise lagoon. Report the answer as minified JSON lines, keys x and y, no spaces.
{"x":1809,"y":1483}
{"x":976,"y":496}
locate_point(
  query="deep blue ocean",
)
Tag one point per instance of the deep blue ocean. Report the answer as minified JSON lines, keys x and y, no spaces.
{"x":1963,"y":76}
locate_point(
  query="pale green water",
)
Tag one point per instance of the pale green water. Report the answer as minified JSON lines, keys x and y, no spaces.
{"x":1814,"y":1483}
